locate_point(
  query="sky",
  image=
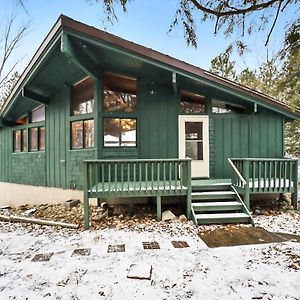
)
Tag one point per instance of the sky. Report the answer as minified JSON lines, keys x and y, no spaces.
{"x":146,"y":23}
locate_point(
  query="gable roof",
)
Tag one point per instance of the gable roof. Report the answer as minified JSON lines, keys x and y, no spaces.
{"x":67,"y":25}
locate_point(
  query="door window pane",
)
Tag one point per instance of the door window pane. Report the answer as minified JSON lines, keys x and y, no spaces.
{"x":194,"y":150}
{"x":88,"y":127}
{"x":77,"y":135}
{"x":193,"y":130}
{"x":33,"y":139}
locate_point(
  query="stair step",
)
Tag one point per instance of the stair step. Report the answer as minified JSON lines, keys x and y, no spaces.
{"x":222,"y":218}
{"x":217,"y":206}
{"x":215,"y":195}
{"x":211,"y":187}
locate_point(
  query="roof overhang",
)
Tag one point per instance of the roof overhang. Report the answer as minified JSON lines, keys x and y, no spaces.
{"x":78,"y":42}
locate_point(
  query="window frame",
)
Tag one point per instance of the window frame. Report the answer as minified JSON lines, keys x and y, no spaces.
{"x":28,"y":127}
{"x":120,"y":141}
{"x":84,"y":147}
{"x":120,"y":115}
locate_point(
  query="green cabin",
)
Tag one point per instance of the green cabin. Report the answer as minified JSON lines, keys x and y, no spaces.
{"x":96,"y":113}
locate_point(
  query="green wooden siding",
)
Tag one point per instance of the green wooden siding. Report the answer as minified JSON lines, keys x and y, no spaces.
{"x":28,"y":168}
{"x":231,"y":135}
{"x":259,"y":135}
{"x":5,"y":153}
{"x":56,"y":135}
{"x":158,"y":124}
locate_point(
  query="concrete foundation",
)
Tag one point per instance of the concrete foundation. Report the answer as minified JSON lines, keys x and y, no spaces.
{"x":18,"y":194}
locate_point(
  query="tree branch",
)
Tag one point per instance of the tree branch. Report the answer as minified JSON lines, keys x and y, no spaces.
{"x":235,"y":11}
{"x":274,"y":22}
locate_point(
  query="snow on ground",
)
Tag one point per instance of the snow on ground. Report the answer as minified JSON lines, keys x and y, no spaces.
{"x":284,"y":222}
{"x":270,"y":271}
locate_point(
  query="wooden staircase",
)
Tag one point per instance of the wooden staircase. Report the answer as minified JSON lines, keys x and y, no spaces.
{"x":217,"y":202}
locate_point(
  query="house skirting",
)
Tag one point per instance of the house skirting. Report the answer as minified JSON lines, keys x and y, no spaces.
{"x":13,"y":194}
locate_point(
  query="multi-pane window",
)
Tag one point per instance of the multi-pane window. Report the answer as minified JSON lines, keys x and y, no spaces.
{"x":82,"y":104}
{"x":119,"y":97}
{"x":82,"y":134}
{"x":192,"y":103}
{"x":119,"y":132}
{"x":31,"y":136}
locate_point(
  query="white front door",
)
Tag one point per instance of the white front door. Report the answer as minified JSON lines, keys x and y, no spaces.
{"x":194,"y":143}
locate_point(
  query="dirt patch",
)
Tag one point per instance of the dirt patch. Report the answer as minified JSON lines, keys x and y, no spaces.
{"x":118,"y":216}
{"x":235,"y":235}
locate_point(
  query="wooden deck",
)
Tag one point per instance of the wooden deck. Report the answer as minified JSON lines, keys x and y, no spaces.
{"x":172,"y":177}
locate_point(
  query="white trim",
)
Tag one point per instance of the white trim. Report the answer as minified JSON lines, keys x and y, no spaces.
{"x":199,"y":168}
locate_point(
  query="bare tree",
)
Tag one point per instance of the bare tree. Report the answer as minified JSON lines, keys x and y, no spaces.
{"x":11,"y":35}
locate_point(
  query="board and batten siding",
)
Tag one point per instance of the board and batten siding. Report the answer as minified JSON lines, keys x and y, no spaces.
{"x":158,"y":124}
{"x":5,"y":153}
{"x":23,"y":167}
{"x":255,"y":135}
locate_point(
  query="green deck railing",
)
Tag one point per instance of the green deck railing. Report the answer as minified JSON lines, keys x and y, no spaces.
{"x":265,"y":175}
{"x":136,"y":178}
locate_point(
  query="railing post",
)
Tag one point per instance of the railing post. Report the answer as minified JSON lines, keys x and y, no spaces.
{"x":188,"y":177}
{"x":86,"y":208}
{"x":247,"y":190}
{"x":295,"y":181}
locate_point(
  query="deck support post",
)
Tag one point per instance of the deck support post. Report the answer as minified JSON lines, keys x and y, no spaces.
{"x":295,"y":180}
{"x":247,"y":189}
{"x":189,"y":190}
{"x":131,"y":205}
{"x":158,"y":208}
{"x":98,"y":202}
{"x":86,"y":208}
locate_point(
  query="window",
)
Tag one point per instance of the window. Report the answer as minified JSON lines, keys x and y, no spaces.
{"x":33,"y":133}
{"x":20,"y":140}
{"x":22,"y":120}
{"x":192,"y":103}
{"x":82,"y":103}
{"x":119,"y":132}
{"x":82,"y":97}
{"x":119,"y":93}
{"x":42,"y":138}
{"x":17,"y":140}
{"x":38,"y":115}
{"x":222,"y":107}
{"x":37,"y":139}
{"x":82,"y":134}
{"x":30,"y":137}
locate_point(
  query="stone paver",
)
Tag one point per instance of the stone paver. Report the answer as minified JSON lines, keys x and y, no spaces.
{"x":151,"y":245}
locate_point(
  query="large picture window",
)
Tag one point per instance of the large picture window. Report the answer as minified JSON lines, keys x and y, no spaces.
{"x":82,"y":97}
{"x":119,"y":132}
{"x":82,"y":134}
{"x":119,"y":93}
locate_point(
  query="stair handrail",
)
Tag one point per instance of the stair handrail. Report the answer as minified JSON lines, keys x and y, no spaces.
{"x":237,"y":171}
{"x":244,"y":205}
